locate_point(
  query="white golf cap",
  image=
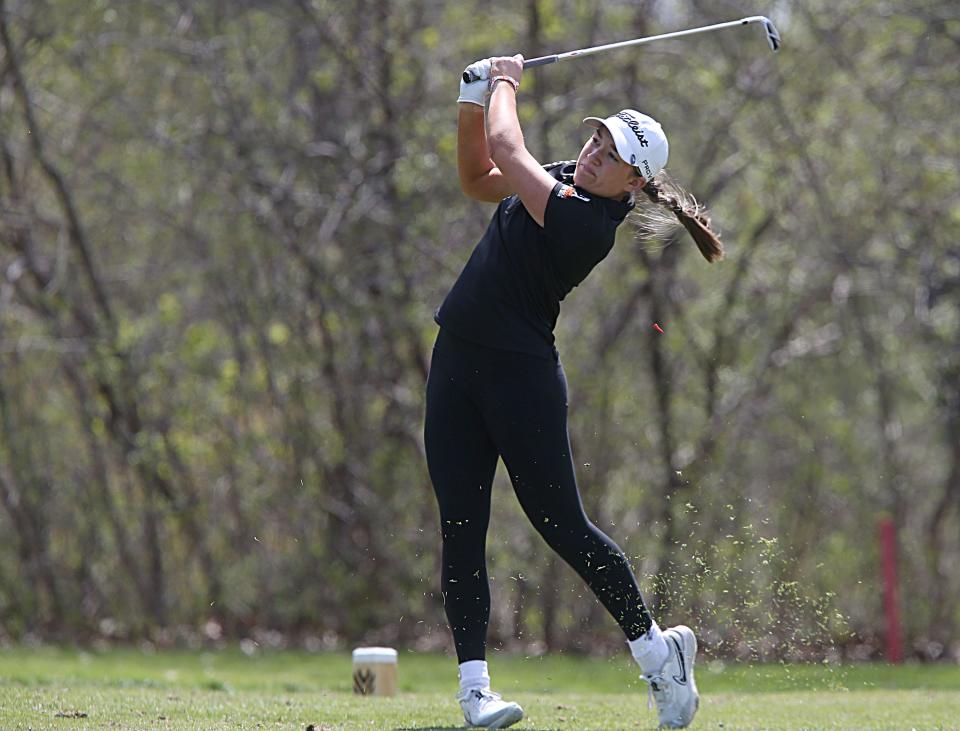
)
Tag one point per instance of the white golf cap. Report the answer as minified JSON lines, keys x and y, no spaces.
{"x":638,"y":138}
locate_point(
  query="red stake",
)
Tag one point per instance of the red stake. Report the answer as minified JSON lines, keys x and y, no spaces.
{"x":657,"y":328}
{"x":891,"y":595}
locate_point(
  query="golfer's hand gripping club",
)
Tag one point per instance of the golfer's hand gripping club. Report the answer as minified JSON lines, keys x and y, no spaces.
{"x":475,"y":91}
{"x":470,"y":75}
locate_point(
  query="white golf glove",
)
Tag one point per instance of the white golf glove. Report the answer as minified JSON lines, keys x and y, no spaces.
{"x":475,"y":92}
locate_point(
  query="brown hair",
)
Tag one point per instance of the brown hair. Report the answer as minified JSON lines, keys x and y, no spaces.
{"x":663,"y":191}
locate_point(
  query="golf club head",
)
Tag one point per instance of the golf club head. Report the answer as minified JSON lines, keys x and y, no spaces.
{"x":773,"y":37}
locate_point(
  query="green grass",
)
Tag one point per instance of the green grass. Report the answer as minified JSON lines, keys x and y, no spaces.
{"x":175,"y":691}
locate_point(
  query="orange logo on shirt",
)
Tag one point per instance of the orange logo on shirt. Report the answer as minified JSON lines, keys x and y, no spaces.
{"x":568,"y":191}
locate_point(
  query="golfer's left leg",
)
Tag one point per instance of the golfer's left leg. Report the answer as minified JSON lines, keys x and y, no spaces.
{"x":461,"y":459}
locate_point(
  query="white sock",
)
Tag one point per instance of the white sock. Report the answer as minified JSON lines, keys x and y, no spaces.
{"x":650,"y":649}
{"x":474,"y":675}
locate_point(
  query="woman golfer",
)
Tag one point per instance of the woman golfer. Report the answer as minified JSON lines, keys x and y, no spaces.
{"x":497,"y":389}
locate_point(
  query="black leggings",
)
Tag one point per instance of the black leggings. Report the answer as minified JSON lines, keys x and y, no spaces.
{"x":484,"y":403}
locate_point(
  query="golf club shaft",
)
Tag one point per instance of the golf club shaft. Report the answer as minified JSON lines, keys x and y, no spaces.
{"x":772,"y":36}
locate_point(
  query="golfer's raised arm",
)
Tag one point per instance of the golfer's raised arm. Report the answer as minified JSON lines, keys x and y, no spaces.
{"x":479,"y":177}
{"x":505,"y":139}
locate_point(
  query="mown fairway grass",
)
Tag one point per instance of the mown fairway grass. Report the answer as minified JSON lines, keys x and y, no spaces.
{"x":173,"y":691}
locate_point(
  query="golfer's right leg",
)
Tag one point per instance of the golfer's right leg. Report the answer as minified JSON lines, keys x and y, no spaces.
{"x":462,"y":460}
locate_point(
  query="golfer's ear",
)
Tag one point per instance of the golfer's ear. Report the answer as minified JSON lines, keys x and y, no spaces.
{"x":635,"y":183}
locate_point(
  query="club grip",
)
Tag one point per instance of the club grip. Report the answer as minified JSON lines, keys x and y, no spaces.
{"x":469,"y":77}
{"x":539,"y":61}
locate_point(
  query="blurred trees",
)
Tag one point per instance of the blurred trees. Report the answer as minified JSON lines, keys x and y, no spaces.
{"x":224,"y":228}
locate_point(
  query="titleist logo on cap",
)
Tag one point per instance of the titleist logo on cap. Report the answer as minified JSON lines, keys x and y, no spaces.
{"x":635,"y":126}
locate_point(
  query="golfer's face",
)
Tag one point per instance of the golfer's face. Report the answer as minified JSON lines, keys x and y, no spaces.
{"x":600,"y":170}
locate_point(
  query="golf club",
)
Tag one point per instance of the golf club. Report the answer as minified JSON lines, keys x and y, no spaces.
{"x":773,"y":38}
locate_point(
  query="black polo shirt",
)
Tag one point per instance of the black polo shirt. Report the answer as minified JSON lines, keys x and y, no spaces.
{"x":508,"y":295}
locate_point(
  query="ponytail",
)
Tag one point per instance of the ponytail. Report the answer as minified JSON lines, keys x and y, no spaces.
{"x":662,"y":191}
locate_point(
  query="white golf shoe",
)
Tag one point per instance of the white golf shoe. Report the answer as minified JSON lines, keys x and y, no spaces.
{"x":673,"y":687}
{"x":485,"y":709}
